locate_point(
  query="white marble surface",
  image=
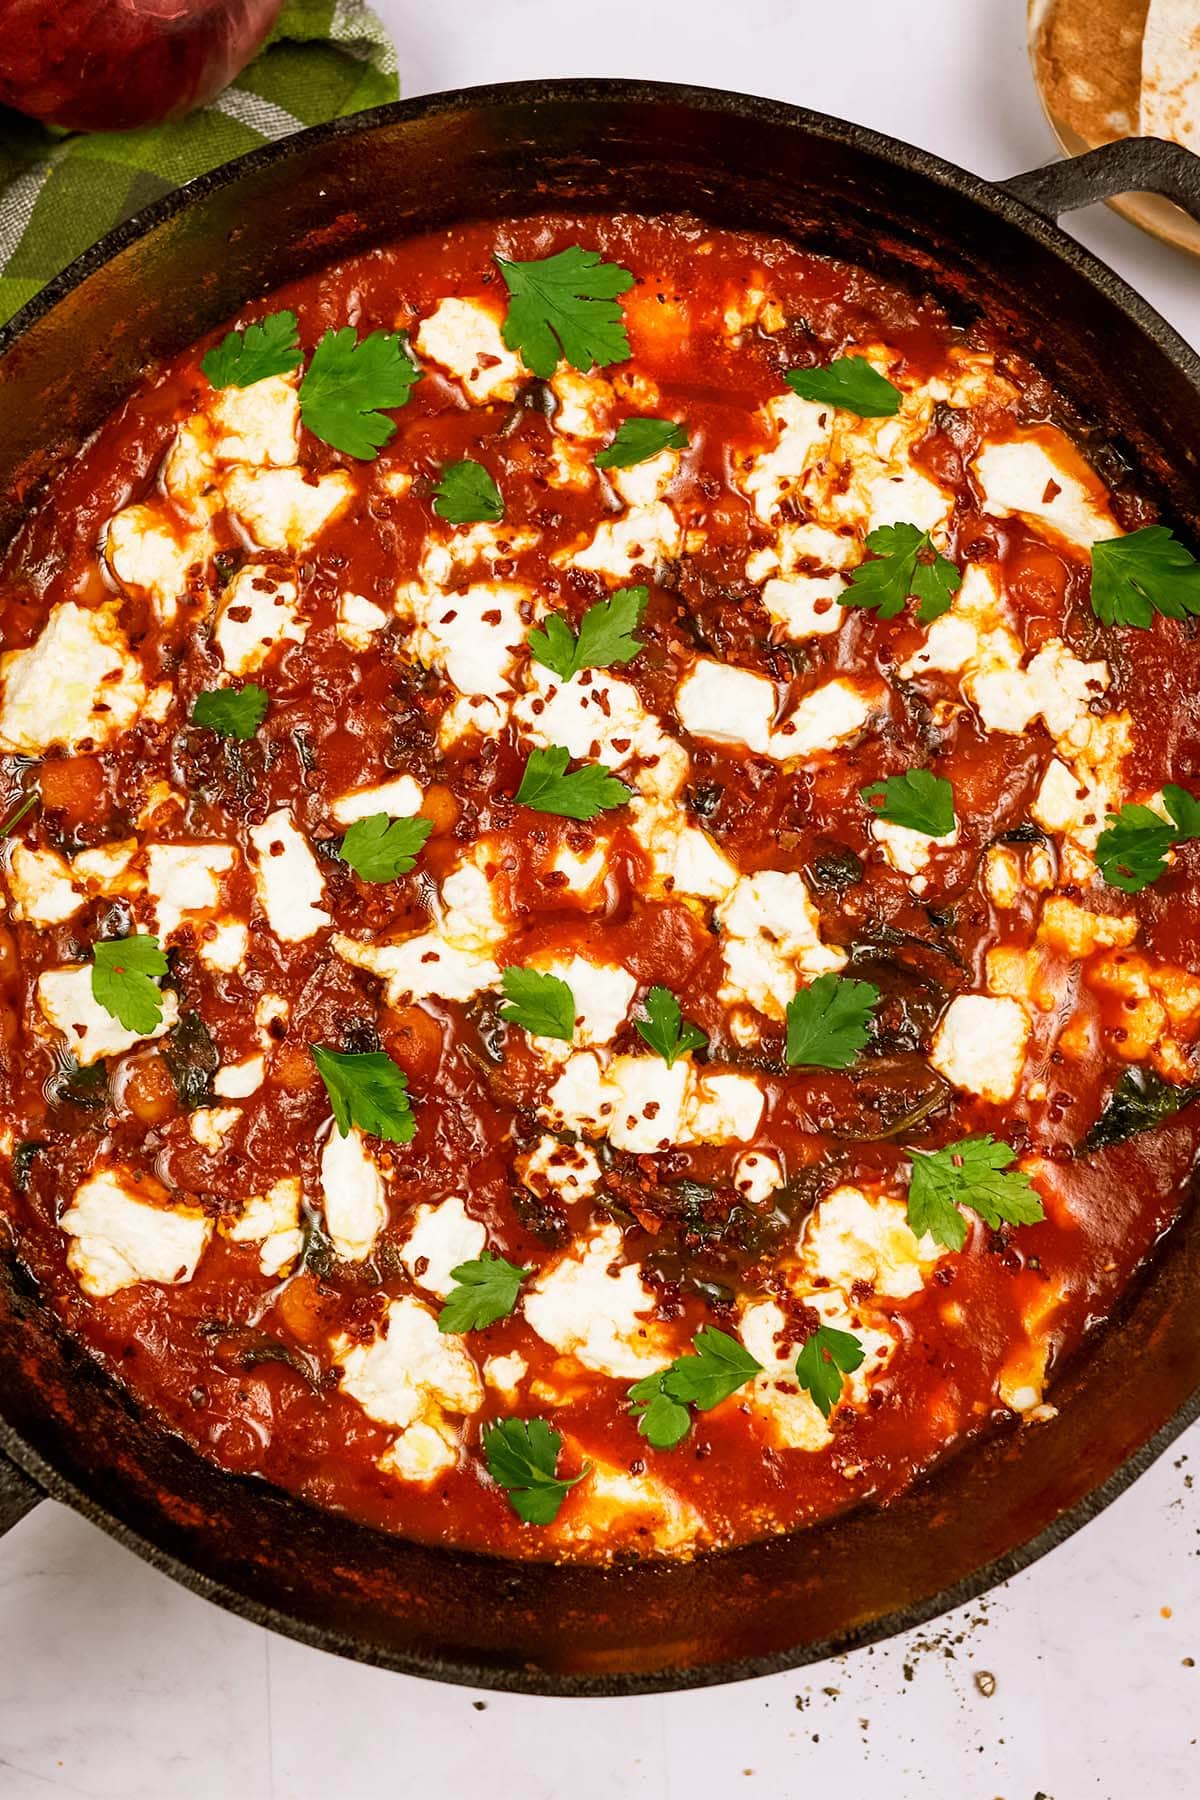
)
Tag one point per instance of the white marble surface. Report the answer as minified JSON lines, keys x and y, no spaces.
{"x":1073,"y":1682}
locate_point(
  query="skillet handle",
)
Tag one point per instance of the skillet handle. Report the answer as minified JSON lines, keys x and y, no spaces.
{"x":18,"y":1495}
{"x":1128,"y":166}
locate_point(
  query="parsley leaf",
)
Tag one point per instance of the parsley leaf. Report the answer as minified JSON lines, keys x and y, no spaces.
{"x":122,"y":971}
{"x":719,"y":1366}
{"x":522,"y":1458}
{"x":243,"y":357}
{"x":233,"y":712}
{"x":366,"y":1089}
{"x":664,"y":1028}
{"x":662,"y":1421}
{"x":827,"y":1356}
{"x":605,"y":635}
{"x":566,"y":305}
{"x":851,"y":383}
{"x":917,"y":800}
{"x":542,"y":1004}
{"x":905,"y":562}
{"x":637,"y":440}
{"x":828,"y":1022}
{"x":1145,"y":572}
{"x":974,"y":1172}
{"x":1131,"y":851}
{"x":487,"y":1290}
{"x":348,"y":383}
{"x":379,"y":848}
{"x":466,"y":494}
{"x":547,"y":787}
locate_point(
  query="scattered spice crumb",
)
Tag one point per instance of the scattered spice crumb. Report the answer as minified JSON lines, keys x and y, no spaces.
{"x":1164,"y":1612}
{"x":479,"y":1705}
{"x":985,"y":1681}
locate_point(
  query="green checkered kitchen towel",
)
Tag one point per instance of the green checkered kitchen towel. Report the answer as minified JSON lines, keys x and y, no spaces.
{"x":60,"y":192}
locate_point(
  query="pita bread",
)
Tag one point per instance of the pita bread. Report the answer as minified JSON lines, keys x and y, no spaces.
{"x":1088,"y":60}
{"x":1171,"y":72}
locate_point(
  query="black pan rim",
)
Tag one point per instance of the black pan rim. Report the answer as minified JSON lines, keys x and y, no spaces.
{"x":990,"y":197}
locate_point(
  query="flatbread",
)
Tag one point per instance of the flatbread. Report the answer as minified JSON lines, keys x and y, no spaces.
{"x":1170,"y":105}
{"x":1088,"y":57}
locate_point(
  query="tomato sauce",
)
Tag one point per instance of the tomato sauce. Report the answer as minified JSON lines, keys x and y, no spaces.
{"x":248,"y":1366}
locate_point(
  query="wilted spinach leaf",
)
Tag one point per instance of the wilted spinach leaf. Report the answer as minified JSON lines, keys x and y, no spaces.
{"x":191,"y":1058}
{"x":1140,"y":1100}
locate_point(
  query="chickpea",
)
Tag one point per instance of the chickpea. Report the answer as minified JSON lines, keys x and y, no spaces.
{"x":440,"y":807}
{"x":414,"y":1038}
{"x":292,"y":1067}
{"x":301,"y":1308}
{"x":149,"y":1092}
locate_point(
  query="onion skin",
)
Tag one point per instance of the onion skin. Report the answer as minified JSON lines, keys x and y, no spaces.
{"x":113,"y":65}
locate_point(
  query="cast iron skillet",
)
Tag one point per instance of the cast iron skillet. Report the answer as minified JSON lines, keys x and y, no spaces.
{"x":148,"y":290}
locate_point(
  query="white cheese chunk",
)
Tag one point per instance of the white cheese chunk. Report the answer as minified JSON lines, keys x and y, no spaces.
{"x":980,"y":1045}
{"x":724,"y":1109}
{"x":353,"y":1196}
{"x":255,"y":615}
{"x":89,"y":1032}
{"x":582,"y":1099}
{"x":591,"y":1304}
{"x":147,"y":555}
{"x":801,"y":433}
{"x":1043,"y":479}
{"x":258,"y":424}
{"x":611,"y":1501}
{"x":506,"y":1373}
{"x":727,"y":705}
{"x":411,"y":1370}
{"x":826,"y":718}
{"x":473,"y":634}
{"x":400,"y":799}
{"x":645,"y":482}
{"x":463,"y":337}
{"x":209,"y":1126}
{"x":471,"y":715}
{"x":757,"y":1176}
{"x":805,"y":606}
{"x":602,"y":992}
{"x":649,"y":1102}
{"x":442,"y":1236}
{"x":906,"y":849}
{"x":684,"y":859}
{"x":795,"y":1419}
{"x":639,"y":539}
{"x":123,"y":1231}
{"x":422,"y":967}
{"x":769,"y":937}
{"x":852,"y":1237}
{"x":426,"y":1450}
{"x":79,"y":685}
{"x":567,"y":1171}
{"x":283,"y":509}
{"x":600,"y":718}
{"x":288,"y":879}
{"x":234,"y":1081}
{"x":185,"y":879}
{"x":40,"y":886}
{"x":223,"y":945}
{"x":359,"y":622}
{"x":272,"y":1221}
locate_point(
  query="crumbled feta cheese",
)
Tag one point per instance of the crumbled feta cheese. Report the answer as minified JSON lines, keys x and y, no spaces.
{"x":411,"y":1370}
{"x":421,"y":967}
{"x":582,"y":1309}
{"x":359,"y":622}
{"x":602,"y":993}
{"x":726,"y":704}
{"x":684,"y":859}
{"x":256,"y":614}
{"x":400,"y":799}
{"x":906,"y":849}
{"x":209,"y":1126}
{"x":463,"y":337}
{"x":581,"y":1099}
{"x":805,"y":606}
{"x":801,"y":434}
{"x":257,"y":424}
{"x":271,"y":1220}
{"x":1043,"y":478}
{"x":353,"y":1195}
{"x":66,"y":1001}
{"x":123,"y":1231}
{"x":648,"y":1102}
{"x":646,"y":482}
{"x":724,"y":1109}
{"x":585,"y":870}
{"x":288,"y":880}
{"x":795,"y":1418}
{"x":426,"y":1450}
{"x":851,"y":1237}
{"x":223,"y":945}
{"x":769,"y":937}
{"x":825,"y":718}
{"x":182,"y":879}
{"x":1075,"y":932}
{"x":757,"y":1176}
{"x":285,"y":509}
{"x":106,"y":870}
{"x":442,"y":1236}
{"x":611,"y":1501}
{"x":234,"y":1081}
{"x":79,"y":685}
{"x":146,"y":555}
{"x":506,"y":1373}
{"x":639,"y":539}
{"x":41,"y":887}
{"x":567,"y":1171}
{"x":473,"y":633}
{"x":1002,"y":877}
{"x":980,"y":1045}
{"x":601,"y":718}
{"x":470,"y":714}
